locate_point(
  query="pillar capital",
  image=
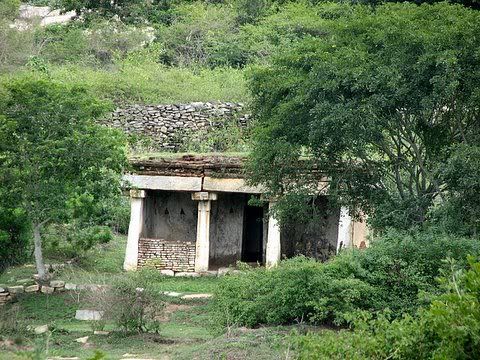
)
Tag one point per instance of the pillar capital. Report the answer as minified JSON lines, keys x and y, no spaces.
{"x":135,"y":193}
{"x":204,"y":196}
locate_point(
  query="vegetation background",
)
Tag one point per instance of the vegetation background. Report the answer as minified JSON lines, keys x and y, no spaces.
{"x":383,"y":97}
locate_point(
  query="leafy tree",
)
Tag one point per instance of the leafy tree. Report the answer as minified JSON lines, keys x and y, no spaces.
{"x":376,"y":101}
{"x":54,"y":159}
{"x":130,"y":11}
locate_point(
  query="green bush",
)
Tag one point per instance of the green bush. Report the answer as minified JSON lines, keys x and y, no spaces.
{"x":299,"y":289}
{"x":14,"y":236}
{"x":70,"y":241}
{"x":391,"y":274}
{"x":447,"y":329}
{"x":202,"y":35}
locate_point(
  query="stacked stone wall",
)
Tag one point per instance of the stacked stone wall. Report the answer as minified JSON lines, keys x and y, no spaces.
{"x":178,"y":256}
{"x":166,"y":124}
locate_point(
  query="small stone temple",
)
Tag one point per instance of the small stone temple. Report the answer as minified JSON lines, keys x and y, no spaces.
{"x":192,"y":214}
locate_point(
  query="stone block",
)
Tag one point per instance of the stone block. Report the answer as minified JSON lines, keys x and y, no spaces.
{"x":100,"y":332}
{"x":88,"y":315}
{"x":196,"y":296}
{"x":16,"y":289}
{"x":40,"y":329}
{"x":47,"y":289}
{"x":32,"y":288}
{"x":57,"y":283}
{"x":2,"y":290}
{"x":70,"y":286}
{"x":82,"y":340}
{"x":167,"y":272}
{"x":224,"y":271}
{"x":187,"y":274}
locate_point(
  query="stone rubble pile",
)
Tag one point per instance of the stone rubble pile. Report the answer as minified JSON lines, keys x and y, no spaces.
{"x":166,"y":123}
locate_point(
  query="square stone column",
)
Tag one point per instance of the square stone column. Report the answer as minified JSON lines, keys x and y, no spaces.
{"x":134,"y":229}
{"x":202,"y":245}
{"x":273,"y":251}
{"x":344,"y":229}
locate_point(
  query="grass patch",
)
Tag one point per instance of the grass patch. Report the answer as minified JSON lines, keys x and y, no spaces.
{"x":152,"y":83}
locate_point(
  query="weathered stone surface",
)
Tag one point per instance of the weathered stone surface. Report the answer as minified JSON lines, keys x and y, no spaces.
{"x":57,"y":283}
{"x":88,"y":315}
{"x":2,"y":290}
{"x":16,"y":289}
{"x":40,"y":329}
{"x":82,"y":340}
{"x":32,"y":288}
{"x":100,"y":332}
{"x":166,"y":122}
{"x":196,"y":296}
{"x":167,"y":272}
{"x":70,"y":286}
{"x":166,"y":255}
{"x":224,"y":271}
{"x":47,"y":289}
{"x":187,"y":274}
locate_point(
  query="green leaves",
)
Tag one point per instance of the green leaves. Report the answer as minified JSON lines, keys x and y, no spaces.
{"x":376,"y":101}
{"x":54,"y":151}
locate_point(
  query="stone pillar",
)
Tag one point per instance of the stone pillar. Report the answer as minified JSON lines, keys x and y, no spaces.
{"x":134,"y":229}
{"x":273,"y":251}
{"x":202,"y":248}
{"x":344,"y":229}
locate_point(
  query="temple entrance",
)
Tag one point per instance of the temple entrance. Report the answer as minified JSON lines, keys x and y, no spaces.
{"x":252,"y":244}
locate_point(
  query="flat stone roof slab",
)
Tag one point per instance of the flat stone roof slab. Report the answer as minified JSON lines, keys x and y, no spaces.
{"x":229,"y":185}
{"x":169,"y":183}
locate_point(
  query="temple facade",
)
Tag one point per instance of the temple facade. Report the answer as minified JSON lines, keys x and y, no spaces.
{"x":193,"y":215}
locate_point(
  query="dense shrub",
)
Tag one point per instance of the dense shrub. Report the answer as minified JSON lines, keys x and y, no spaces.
{"x":70,"y":241}
{"x":202,"y":35}
{"x":447,"y":329}
{"x":14,"y":236}
{"x":389,"y":274}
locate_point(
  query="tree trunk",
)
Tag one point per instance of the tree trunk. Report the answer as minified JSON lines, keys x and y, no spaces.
{"x":42,"y":273}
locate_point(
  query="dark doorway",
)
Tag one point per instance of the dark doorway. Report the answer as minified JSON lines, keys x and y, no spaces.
{"x":252,"y":249}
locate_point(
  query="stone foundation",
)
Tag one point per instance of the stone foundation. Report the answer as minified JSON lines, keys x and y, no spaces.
{"x":167,"y":254}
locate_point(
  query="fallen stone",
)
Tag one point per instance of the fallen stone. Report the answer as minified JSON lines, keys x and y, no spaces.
{"x":172,"y":293}
{"x":100,"y":332}
{"x":167,"y":272}
{"x":88,"y":315}
{"x":187,"y":274}
{"x":40,"y":329}
{"x":47,"y":289}
{"x":82,"y":340}
{"x":223,"y":271}
{"x":57,"y":283}
{"x":32,"y":288}
{"x":16,"y":289}
{"x":209,"y":273}
{"x":69,"y":286}
{"x":3,"y":290}
{"x":196,"y":296}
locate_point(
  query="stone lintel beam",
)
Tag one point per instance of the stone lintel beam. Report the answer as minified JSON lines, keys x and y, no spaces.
{"x":204,"y":196}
